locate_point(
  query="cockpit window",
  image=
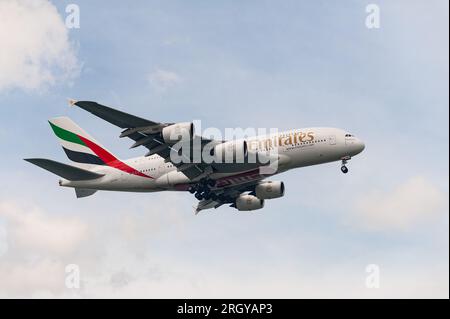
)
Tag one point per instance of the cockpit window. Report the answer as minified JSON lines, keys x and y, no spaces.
{"x":348,"y":135}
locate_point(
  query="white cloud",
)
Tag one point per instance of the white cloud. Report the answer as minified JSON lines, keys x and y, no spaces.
{"x":182,"y":280}
{"x":37,"y":247}
{"x":31,"y":277}
{"x":133,"y":255}
{"x":31,"y":229}
{"x":3,"y":242}
{"x":35,"y":48}
{"x":161,"y":80}
{"x":410,"y":203}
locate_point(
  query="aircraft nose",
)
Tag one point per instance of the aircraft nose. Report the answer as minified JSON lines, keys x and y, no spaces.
{"x":354,"y":144}
{"x":360,"y":145}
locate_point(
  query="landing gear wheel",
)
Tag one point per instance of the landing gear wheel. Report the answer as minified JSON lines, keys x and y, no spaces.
{"x":344,"y":168}
{"x":202,"y":189}
{"x":199,"y":196}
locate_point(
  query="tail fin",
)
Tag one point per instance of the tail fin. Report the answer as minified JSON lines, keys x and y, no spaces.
{"x":68,"y":172}
{"x":78,"y":145}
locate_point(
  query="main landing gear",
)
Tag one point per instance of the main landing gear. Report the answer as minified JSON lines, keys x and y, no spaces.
{"x":344,"y":168}
{"x":202,"y":189}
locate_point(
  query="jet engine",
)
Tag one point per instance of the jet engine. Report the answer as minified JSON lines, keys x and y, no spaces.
{"x":231,"y":151}
{"x":174,"y":133}
{"x":269,"y":190}
{"x":249,"y":202}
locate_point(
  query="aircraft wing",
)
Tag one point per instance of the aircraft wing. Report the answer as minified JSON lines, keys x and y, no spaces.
{"x":147,"y":133}
{"x":113,"y":116}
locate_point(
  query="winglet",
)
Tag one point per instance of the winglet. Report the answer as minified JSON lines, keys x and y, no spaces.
{"x":72,"y":102}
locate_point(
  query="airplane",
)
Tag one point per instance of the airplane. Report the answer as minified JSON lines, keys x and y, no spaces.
{"x":240,"y":183}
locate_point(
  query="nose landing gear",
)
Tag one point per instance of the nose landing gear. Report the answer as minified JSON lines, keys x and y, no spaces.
{"x":344,"y":168}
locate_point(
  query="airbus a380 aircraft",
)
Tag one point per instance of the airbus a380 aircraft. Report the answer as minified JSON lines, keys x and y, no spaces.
{"x":214,"y":180}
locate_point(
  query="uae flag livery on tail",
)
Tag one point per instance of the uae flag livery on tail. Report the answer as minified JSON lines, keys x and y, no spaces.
{"x":81,"y":148}
{"x":71,"y":142}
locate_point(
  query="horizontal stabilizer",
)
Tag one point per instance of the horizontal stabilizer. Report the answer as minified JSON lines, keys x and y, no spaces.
{"x":84,"y":192}
{"x":65,"y":171}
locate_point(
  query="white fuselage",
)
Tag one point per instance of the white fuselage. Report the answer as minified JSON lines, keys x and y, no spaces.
{"x":295,"y":148}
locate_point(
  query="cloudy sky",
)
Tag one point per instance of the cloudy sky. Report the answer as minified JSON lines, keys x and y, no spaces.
{"x":284,"y":64}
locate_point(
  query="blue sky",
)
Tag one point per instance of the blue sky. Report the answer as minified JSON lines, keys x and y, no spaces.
{"x":232,"y":64}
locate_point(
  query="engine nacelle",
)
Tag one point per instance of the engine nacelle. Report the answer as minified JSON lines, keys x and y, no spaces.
{"x":269,"y":190}
{"x":231,"y":152}
{"x":174,"y":133}
{"x":249,"y":202}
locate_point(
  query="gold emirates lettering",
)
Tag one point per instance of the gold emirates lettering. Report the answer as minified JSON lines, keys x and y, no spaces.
{"x":281,"y":140}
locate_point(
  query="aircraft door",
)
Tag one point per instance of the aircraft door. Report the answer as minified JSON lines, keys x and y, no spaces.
{"x":332,"y":139}
{"x":162,"y":168}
